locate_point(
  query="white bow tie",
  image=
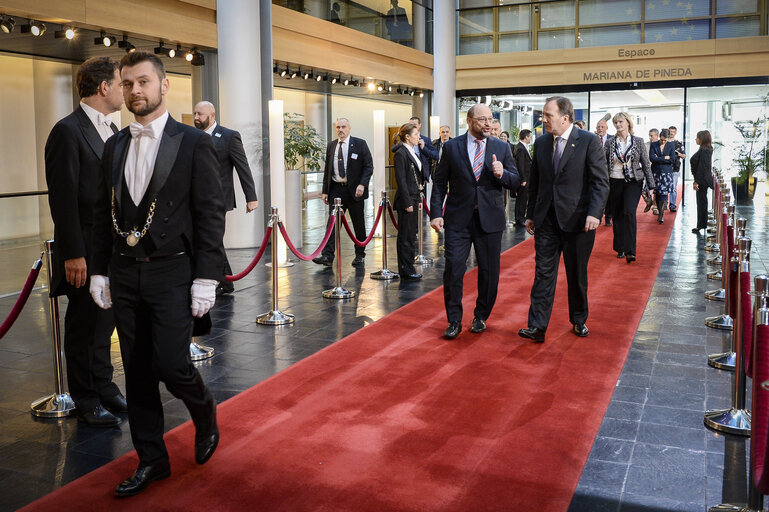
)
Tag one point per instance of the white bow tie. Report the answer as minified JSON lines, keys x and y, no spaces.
{"x":137,"y":130}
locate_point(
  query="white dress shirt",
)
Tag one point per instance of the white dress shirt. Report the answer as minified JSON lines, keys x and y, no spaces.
{"x":414,"y":154}
{"x":345,"y":150}
{"x":102,"y":123}
{"x":616,"y":168}
{"x":210,"y":129}
{"x":471,"y":147}
{"x":142,"y":152}
{"x":565,"y":136}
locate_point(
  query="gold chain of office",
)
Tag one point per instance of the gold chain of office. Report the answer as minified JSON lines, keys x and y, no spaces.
{"x":133,"y":236}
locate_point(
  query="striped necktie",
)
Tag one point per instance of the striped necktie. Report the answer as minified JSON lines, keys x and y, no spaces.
{"x":478,"y":159}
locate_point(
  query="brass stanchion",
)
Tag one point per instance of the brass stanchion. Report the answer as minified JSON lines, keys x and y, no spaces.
{"x":736,"y":419}
{"x":711,"y":226}
{"x":59,"y":404}
{"x":338,"y":292}
{"x":726,"y":360}
{"x":275,"y":316}
{"x":384,"y":274}
{"x":714,"y":241}
{"x":719,"y":294}
{"x":510,"y":223}
{"x":420,"y":258}
{"x":200,"y":352}
{"x":716,"y":260}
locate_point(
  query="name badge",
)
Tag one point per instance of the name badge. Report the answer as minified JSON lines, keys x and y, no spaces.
{"x":354,"y":156}
{"x":217,"y":135}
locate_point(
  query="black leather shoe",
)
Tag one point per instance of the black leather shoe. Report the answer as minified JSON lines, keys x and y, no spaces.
{"x":115,"y":403}
{"x":532,"y":333}
{"x":206,"y":437}
{"x":620,"y":255}
{"x":452,"y":331}
{"x":411,"y":277}
{"x":630,"y":258}
{"x":98,"y":416}
{"x":141,"y":478}
{"x":359,"y":261}
{"x":673,"y":208}
{"x":323,"y":260}
{"x":580,"y":330}
{"x":478,"y":325}
{"x":696,"y":231}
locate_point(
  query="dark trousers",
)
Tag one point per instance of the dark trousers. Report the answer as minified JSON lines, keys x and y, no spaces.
{"x":407,"y":234}
{"x":549,"y":242}
{"x":356,"y":215}
{"x":702,"y":207}
{"x":488,"y":247}
{"x":87,"y":332}
{"x":608,"y":209}
{"x":224,"y":284}
{"x":521,"y":200}
{"x":624,"y":200}
{"x":152,"y":312}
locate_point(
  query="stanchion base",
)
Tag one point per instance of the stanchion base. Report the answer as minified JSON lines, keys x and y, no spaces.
{"x":53,"y":406}
{"x":200,"y":352}
{"x":724,"y":361}
{"x":384,"y":275}
{"x":715,"y":261}
{"x":716,"y":294}
{"x":422,"y":260}
{"x":731,"y":421}
{"x":285,"y":264}
{"x":338,"y":293}
{"x":712,"y":247}
{"x":723,"y":322}
{"x":728,"y":507}
{"x":716,"y":276}
{"x":275,"y":318}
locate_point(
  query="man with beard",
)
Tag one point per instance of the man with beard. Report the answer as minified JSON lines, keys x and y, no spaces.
{"x":72,"y":162}
{"x":158,"y":227}
{"x":477,"y":168}
{"x":229,"y":149}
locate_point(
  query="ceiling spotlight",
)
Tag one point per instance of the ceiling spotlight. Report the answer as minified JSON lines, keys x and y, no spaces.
{"x":282,"y":71}
{"x":68,"y":33}
{"x":105,"y":40}
{"x":7,"y":24}
{"x":162,"y":50}
{"x":399,"y":90}
{"x":306,"y":75}
{"x":292,"y":75}
{"x":197,"y":58}
{"x":411,"y":92}
{"x":35,"y":28}
{"x":189,"y":55}
{"x":371,"y":86}
{"x":390,"y":88}
{"x":346,"y":81}
{"x":334,"y":79}
{"x":421,"y":94}
{"x":318,"y":77}
{"x":355,"y":83}
{"x":126,"y":45}
{"x":379,"y":87}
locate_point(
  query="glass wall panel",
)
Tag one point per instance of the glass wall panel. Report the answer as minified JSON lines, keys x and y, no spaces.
{"x":555,"y":39}
{"x":477,"y":21}
{"x":598,"y":12}
{"x":676,"y":9}
{"x":514,"y":43}
{"x":467,"y":4}
{"x":557,"y":14}
{"x":609,"y":36}
{"x":512,"y":18}
{"x":476,"y":45}
{"x":677,"y":31}
{"x":738,"y":27}
{"x":736,"y":6}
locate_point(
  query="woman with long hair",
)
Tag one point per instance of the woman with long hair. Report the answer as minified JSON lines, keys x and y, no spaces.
{"x":662,"y":153}
{"x":702,"y":171}
{"x":408,"y":176}
{"x":628,"y":166}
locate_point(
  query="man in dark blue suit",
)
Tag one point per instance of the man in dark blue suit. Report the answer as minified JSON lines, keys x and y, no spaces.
{"x":568,"y":188}
{"x":477,"y":168}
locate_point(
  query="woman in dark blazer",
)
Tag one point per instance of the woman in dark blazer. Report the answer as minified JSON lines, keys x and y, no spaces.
{"x":702,"y":171}
{"x":628,"y":166}
{"x":662,"y":153}
{"x":408,"y":176}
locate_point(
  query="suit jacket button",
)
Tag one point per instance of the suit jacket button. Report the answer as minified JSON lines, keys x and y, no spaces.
{"x":170,"y":203}
{"x":165,"y":219}
{"x":162,"y":235}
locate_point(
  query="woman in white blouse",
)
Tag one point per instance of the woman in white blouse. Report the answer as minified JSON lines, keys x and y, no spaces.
{"x":629,"y":165}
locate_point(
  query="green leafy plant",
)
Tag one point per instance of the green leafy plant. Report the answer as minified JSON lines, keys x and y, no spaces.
{"x":301,"y":141}
{"x":752,"y":151}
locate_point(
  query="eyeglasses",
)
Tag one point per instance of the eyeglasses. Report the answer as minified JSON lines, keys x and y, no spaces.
{"x":483,"y":120}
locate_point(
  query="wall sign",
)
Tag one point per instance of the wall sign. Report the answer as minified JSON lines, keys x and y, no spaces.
{"x":636,"y":74}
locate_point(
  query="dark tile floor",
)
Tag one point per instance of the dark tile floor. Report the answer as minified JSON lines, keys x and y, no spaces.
{"x":652,"y":452}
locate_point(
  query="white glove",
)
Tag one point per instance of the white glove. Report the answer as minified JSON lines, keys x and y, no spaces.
{"x":99,"y":289}
{"x":203,"y":293}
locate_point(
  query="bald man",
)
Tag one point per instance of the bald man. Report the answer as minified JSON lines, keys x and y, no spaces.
{"x":230,"y":152}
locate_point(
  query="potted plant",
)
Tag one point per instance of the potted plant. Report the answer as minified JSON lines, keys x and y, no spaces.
{"x":301,"y":142}
{"x":751,"y":158}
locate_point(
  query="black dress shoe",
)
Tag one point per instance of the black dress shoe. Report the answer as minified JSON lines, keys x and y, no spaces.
{"x":323,"y":260}
{"x":98,"y":416}
{"x":452,"y":331}
{"x":359,"y":261}
{"x":620,"y":255}
{"x":580,"y":330}
{"x":630,"y":258}
{"x":696,"y":231}
{"x":532,"y":333}
{"x":673,"y":208}
{"x":141,"y":478}
{"x":411,"y":277}
{"x":115,"y":403}
{"x":206,"y":437}
{"x":478,"y":325}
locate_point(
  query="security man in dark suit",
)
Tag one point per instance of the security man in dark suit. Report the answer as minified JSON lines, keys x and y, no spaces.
{"x":229,"y":149}
{"x":478,"y":168}
{"x":72,"y":161}
{"x":347,"y":172}
{"x":158,"y":227}
{"x":523,"y":164}
{"x":444,"y":137}
{"x":568,"y":189}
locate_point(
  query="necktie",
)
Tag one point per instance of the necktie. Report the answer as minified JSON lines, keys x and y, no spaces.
{"x":557,"y":154}
{"x":340,"y":162}
{"x":478,"y":159}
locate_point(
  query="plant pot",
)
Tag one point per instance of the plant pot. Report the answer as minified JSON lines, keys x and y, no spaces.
{"x":744,"y":191}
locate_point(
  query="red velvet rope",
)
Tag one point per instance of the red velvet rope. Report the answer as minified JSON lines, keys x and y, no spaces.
{"x":733,"y":275}
{"x":308,"y":257}
{"x":354,"y":238}
{"x":424,"y":205}
{"x":747,"y":322}
{"x":22,"y":300}
{"x":760,"y":412}
{"x":250,"y":267}
{"x":392,"y":215}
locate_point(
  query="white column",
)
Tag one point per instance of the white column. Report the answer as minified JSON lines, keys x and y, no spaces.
{"x":278,"y":169}
{"x":445,"y":62}
{"x":240,"y":108}
{"x":418,"y":24}
{"x":435,"y":127}
{"x":380,"y":155}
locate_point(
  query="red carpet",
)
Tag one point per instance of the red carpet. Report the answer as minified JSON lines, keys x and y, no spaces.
{"x":394,"y":418}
